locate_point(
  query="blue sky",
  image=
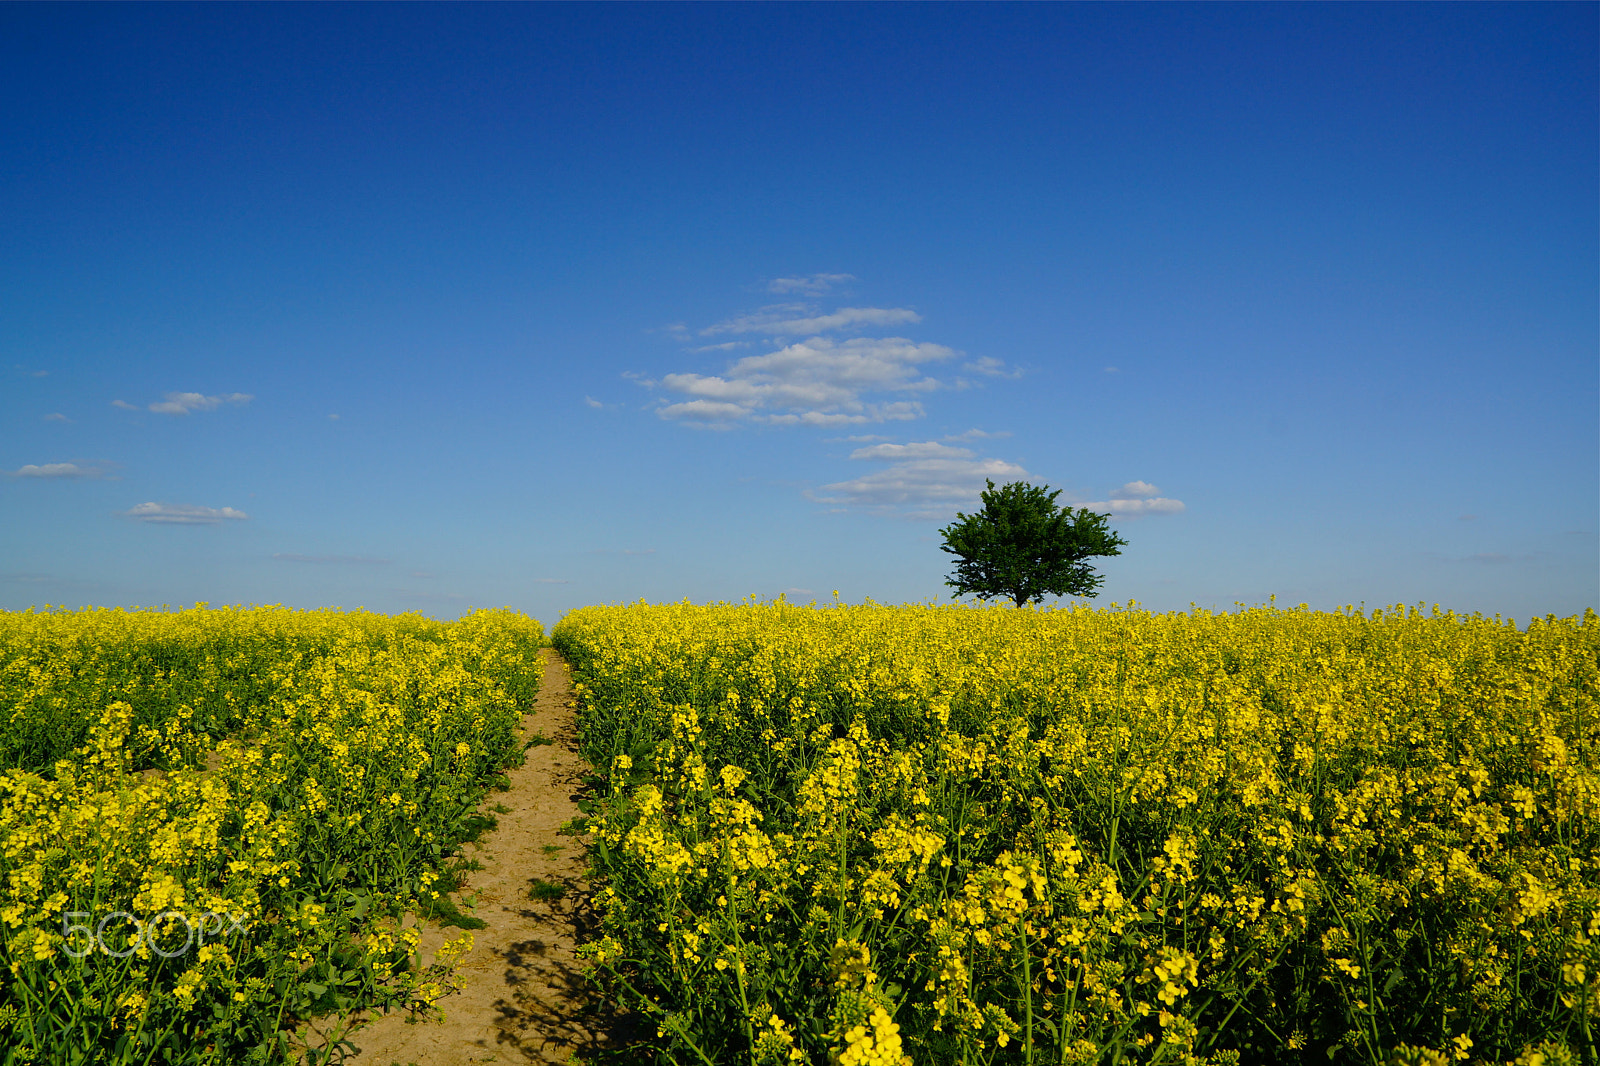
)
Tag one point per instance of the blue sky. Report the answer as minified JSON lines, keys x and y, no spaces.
{"x":421,"y":307}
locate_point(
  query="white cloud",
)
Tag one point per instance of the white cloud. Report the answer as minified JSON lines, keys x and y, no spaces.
{"x":703,"y":411}
{"x":813,"y":382}
{"x":929,"y":486}
{"x":978,"y":434}
{"x":622,"y":551}
{"x":55,"y":470}
{"x":1134,"y":490}
{"x":183,"y":514}
{"x":925,"y":450}
{"x":872,"y":412}
{"x":123,"y":405}
{"x":1136,"y":498}
{"x":182,"y":403}
{"x":780,"y":320}
{"x":811,"y":285}
{"x":355,"y":560}
{"x":57,"y":417}
{"x":1124,"y":508}
{"x":991,"y":367}
{"x":551,"y":581}
{"x":592,"y":402}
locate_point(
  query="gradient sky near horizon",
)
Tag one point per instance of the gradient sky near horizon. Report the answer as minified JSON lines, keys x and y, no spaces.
{"x":424,"y":306}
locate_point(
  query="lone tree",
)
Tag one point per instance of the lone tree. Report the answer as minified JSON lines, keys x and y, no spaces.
{"x":1023,"y":546}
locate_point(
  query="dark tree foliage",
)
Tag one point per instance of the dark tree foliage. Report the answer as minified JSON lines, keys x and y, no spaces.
{"x":1021,"y":545}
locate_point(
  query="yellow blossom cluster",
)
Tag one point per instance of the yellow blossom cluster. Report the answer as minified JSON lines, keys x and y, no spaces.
{"x":213,"y":822}
{"x":1094,"y":835}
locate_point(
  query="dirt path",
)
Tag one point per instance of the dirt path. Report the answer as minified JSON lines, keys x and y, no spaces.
{"x":521,"y":999}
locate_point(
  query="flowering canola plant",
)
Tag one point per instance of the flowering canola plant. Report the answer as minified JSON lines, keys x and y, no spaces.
{"x":212,"y":822}
{"x":963,"y":834}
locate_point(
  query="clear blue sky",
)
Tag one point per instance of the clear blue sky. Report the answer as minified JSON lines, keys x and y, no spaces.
{"x":420,"y":307}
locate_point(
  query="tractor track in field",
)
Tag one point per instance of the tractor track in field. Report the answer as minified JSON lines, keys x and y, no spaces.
{"x":522,"y":997}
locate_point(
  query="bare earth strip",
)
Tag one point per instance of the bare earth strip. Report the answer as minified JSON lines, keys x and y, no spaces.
{"x":522,"y":999}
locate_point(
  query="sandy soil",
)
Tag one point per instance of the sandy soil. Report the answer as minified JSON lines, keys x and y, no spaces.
{"x":522,"y":1000}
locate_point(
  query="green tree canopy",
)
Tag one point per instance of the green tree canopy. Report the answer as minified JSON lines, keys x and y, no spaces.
{"x":1021,"y":545}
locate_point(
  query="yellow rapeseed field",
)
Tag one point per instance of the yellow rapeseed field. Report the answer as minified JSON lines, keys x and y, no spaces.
{"x":213,"y":821}
{"x":954,"y":834}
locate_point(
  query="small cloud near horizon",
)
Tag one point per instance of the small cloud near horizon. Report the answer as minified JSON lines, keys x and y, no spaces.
{"x":989,"y":366}
{"x":810,"y":285}
{"x":57,"y":471}
{"x":357,"y":560}
{"x":182,"y":403}
{"x":183,"y":514}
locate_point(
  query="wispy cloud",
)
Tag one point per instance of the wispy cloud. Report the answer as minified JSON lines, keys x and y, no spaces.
{"x":183,"y":514}
{"x":928,"y":487}
{"x":818,"y":381}
{"x":989,"y":366}
{"x":810,"y":285}
{"x":183,"y":403}
{"x":793,"y":320}
{"x":1135,"y":490}
{"x":351,"y":560}
{"x":817,"y":369}
{"x":592,"y":402}
{"x":622,"y":551}
{"x":56,"y":416}
{"x":925,"y":450}
{"x":978,"y":434}
{"x":551,"y":581}
{"x":1136,"y":498}
{"x":57,"y":471}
